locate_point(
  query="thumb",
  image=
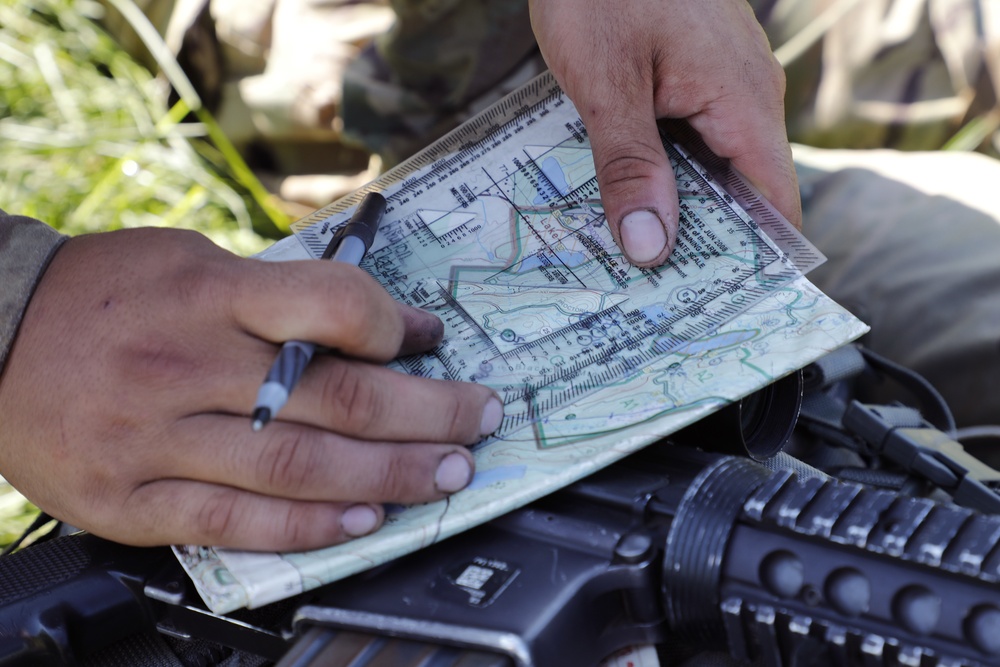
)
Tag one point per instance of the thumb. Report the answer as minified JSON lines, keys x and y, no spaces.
{"x":635,"y":178}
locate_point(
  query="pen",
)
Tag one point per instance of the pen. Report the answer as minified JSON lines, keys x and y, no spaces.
{"x":349,"y":244}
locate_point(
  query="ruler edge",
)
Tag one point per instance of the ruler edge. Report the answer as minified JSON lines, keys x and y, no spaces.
{"x":715,"y":170}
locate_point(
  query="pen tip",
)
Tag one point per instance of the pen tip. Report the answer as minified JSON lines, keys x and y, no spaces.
{"x":260,"y":418}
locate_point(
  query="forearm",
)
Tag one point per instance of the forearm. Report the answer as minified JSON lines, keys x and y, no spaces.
{"x":26,"y":246}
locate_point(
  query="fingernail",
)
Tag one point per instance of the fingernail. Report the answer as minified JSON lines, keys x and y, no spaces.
{"x":643,"y":236}
{"x":358,"y":520}
{"x":492,"y":416}
{"x":453,"y":473}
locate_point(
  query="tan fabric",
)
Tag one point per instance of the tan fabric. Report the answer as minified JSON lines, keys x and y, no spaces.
{"x":26,"y":246}
{"x":913,"y":241}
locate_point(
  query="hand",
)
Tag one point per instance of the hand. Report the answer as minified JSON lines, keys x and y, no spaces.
{"x":126,"y":397}
{"x":626,"y":64}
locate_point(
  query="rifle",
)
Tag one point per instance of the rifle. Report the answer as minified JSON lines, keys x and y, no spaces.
{"x":692,"y":551}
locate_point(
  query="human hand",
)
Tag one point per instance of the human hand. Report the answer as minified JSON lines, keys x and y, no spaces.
{"x":626,"y":64}
{"x":126,"y":397}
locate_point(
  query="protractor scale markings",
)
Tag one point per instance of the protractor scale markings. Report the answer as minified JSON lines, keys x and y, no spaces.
{"x":498,"y":228}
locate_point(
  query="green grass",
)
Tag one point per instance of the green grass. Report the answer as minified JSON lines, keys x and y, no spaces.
{"x":87,"y":143}
{"x":16,"y":514}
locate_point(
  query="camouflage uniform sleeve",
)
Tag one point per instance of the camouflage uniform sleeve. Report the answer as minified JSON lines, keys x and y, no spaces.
{"x":441,"y":63}
{"x":26,"y":247}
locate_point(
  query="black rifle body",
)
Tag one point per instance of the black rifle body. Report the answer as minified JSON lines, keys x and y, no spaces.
{"x":674,"y":547}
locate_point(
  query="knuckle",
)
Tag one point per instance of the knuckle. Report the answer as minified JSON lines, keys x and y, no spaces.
{"x":772,"y":76}
{"x":356,"y":312}
{"x":204,"y":283}
{"x":156,"y":360}
{"x":294,"y":530}
{"x":777,"y":72}
{"x":93,"y":506}
{"x":353,"y":397}
{"x":312,"y":525}
{"x":394,"y":482}
{"x":626,"y":164}
{"x":218,"y":518}
{"x":118,"y":421}
{"x":761,"y":77}
{"x":289,"y":463}
{"x":455,"y":411}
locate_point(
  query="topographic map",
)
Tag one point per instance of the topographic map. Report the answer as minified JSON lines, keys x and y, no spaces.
{"x":498,"y":229}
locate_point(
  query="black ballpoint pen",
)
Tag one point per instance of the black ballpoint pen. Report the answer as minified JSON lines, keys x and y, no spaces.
{"x":349,"y":244}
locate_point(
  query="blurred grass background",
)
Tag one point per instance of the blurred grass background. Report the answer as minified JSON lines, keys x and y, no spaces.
{"x":87,"y":143}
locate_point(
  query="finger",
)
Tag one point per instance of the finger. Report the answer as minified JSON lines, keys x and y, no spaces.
{"x":633,"y":172}
{"x":173,"y":511}
{"x":298,"y":462}
{"x":353,"y":398}
{"x":375,"y":403}
{"x":760,"y":152}
{"x":329,"y":303}
{"x":748,"y":127}
{"x":422,"y":330}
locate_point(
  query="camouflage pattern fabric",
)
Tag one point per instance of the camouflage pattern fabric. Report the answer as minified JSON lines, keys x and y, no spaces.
{"x":902,"y":74}
{"x":441,"y":63}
